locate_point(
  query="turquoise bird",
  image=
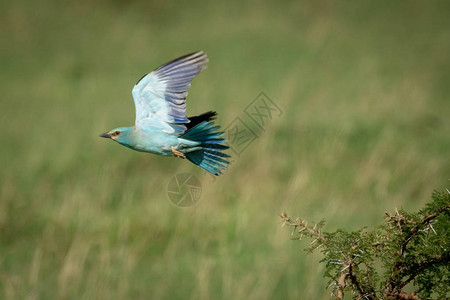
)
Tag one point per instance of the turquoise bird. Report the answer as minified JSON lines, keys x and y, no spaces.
{"x":161,"y":125}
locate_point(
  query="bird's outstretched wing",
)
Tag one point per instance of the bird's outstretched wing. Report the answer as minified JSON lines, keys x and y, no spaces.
{"x":160,"y":96}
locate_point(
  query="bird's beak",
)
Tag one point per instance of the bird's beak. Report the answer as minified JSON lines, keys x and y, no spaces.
{"x":105,"y":135}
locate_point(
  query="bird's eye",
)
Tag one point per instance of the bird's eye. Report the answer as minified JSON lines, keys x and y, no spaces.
{"x":116,"y":133}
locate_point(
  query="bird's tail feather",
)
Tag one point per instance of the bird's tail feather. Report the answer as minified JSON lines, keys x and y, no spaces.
{"x":210,"y":157}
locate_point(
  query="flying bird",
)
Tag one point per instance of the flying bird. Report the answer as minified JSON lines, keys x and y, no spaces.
{"x":162,"y":127}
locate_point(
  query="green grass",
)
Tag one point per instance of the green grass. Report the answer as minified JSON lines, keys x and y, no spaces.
{"x":364,"y":90}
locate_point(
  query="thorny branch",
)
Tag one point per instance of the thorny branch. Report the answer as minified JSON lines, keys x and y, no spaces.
{"x":422,"y":265}
{"x":352,"y":266}
{"x":424,"y":222}
{"x":403,"y":272}
{"x":395,"y":283}
{"x":403,"y":296}
{"x":303,"y":225}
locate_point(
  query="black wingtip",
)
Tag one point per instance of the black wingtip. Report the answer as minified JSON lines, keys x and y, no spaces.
{"x":195,"y":120}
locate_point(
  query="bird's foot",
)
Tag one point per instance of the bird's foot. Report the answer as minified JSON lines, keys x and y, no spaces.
{"x":177,"y":153}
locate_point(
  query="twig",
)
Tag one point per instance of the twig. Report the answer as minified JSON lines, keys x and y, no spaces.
{"x":394,"y":283}
{"x":417,"y":268}
{"x":425,"y":221}
{"x":403,"y":296}
{"x":341,"y":284}
{"x":303,"y":226}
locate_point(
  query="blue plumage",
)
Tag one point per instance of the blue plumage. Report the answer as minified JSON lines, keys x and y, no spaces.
{"x":209,"y":156}
{"x":162,"y":126}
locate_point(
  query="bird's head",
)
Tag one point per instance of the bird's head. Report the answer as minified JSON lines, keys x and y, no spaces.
{"x":120,"y":135}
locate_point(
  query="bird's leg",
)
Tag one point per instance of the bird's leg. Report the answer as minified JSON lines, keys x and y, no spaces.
{"x":177,"y":153}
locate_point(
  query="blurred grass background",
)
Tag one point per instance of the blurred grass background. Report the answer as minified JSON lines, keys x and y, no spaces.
{"x":364,"y":86}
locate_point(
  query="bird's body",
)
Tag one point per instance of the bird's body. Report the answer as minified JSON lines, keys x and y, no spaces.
{"x":156,"y":142}
{"x":162,"y":126}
